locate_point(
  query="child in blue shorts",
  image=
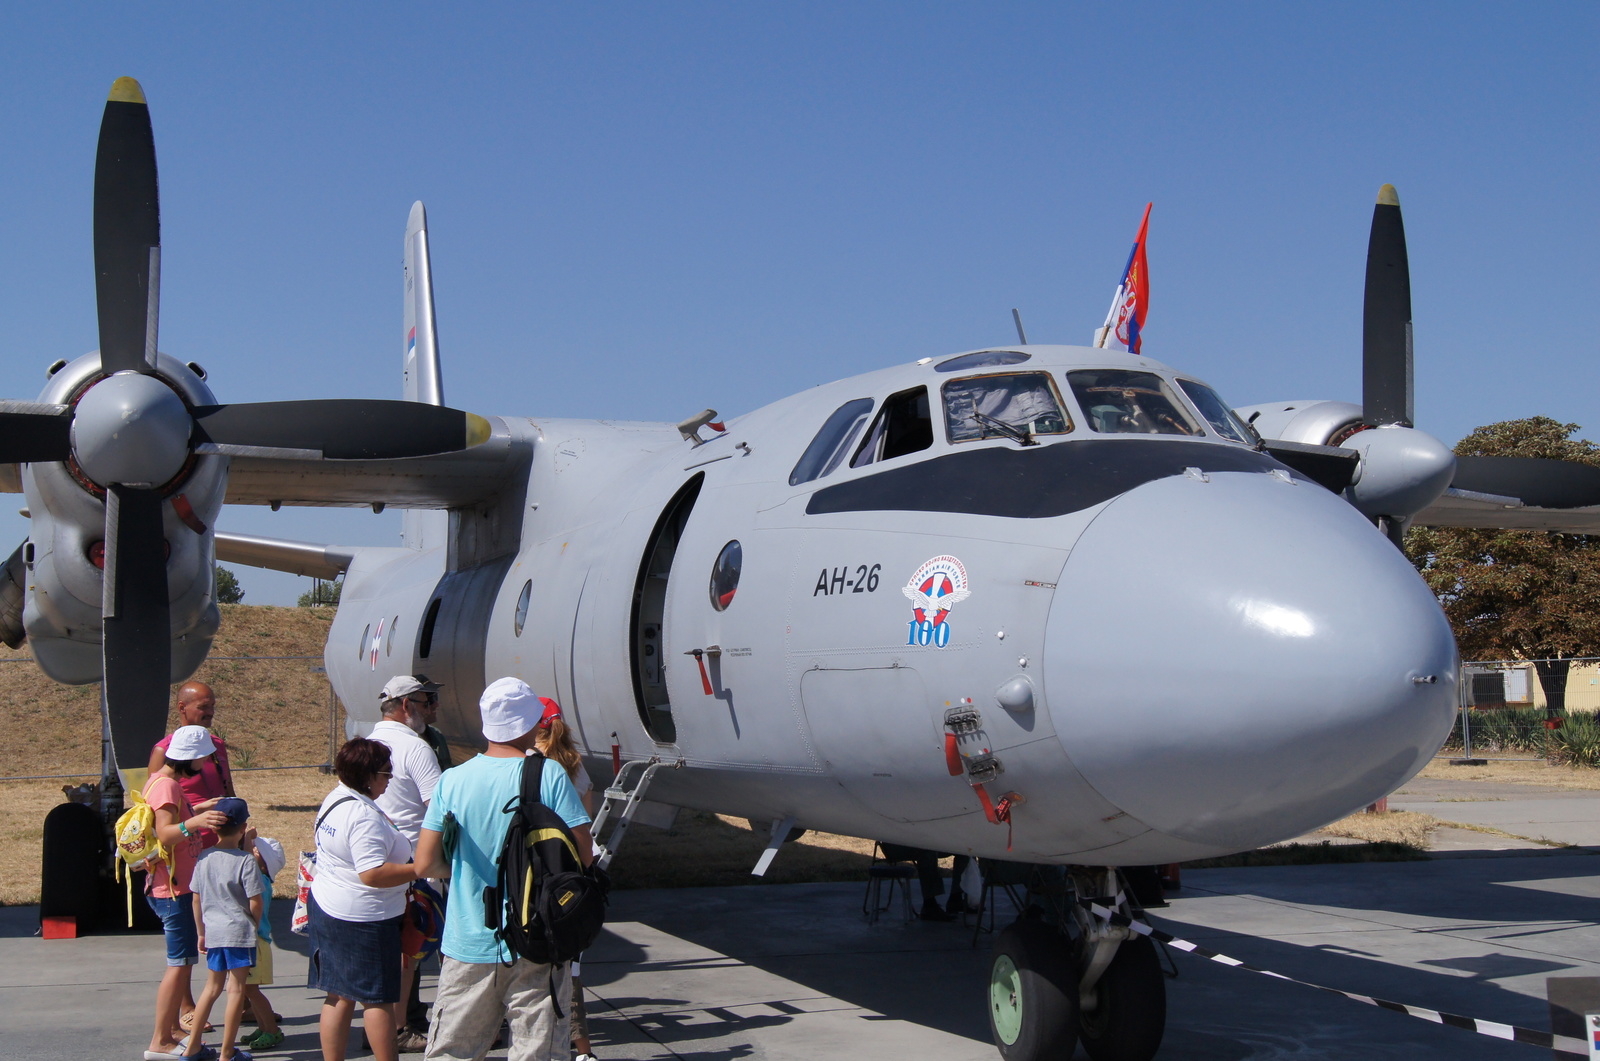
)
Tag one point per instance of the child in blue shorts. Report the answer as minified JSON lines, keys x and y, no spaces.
{"x":227,"y":909}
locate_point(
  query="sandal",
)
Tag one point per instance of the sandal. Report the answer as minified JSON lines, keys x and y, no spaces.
{"x":264,"y":1040}
{"x":187,"y":1020}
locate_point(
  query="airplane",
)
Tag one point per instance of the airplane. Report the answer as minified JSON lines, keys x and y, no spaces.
{"x":1046,"y":604}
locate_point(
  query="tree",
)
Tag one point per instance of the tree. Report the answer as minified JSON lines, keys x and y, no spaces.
{"x":1532,"y":595}
{"x":321,"y":594}
{"x":228,"y":591}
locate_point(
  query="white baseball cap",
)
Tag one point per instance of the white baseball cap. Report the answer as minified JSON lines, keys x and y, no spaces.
{"x":190,"y":743}
{"x":406,"y":684}
{"x":271,"y":853}
{"x":509,"y":709}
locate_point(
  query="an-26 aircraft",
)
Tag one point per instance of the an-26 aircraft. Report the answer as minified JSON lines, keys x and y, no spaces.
{"x":1046,"y":604}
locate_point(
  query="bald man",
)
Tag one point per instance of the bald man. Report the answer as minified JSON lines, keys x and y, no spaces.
{"x":196,"y":706}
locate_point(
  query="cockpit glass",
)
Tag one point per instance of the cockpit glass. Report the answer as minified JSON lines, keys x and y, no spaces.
{"x":828,"y":449}
{"x":1121,"y":401}
{"x":1016,"y":405}
{"x":1216,"y":412}
{"x":981,"y":359}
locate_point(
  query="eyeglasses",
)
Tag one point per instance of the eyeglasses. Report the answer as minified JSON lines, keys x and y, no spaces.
{"x":430,"y":698}
{"x":384,"y":773}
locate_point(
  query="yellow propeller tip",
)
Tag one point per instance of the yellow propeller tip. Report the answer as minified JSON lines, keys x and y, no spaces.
{"x":478,"y":430}
{"x":126,"y":90}
{"x":1387,"y":196}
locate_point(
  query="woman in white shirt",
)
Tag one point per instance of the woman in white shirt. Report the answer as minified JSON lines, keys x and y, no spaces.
{"x":358,"y":900}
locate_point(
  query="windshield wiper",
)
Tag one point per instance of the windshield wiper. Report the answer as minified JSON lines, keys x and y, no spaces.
{"x":1016,"y":434}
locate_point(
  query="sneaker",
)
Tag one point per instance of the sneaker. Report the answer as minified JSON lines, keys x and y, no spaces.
{"x":409,"y":1042}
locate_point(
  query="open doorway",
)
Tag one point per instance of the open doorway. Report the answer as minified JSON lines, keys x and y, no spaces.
{"x":648,"y":640}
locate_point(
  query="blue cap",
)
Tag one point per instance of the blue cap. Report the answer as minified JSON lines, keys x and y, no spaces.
{"x":237,"y":810}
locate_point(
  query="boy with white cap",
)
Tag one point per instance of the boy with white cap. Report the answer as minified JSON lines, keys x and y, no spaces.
{"x":480,"y":984}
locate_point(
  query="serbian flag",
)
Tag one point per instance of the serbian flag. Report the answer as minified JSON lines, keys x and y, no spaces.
{"x":1125,"y":319}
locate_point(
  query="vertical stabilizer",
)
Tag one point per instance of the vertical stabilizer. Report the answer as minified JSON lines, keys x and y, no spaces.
{"x":423,"y":380}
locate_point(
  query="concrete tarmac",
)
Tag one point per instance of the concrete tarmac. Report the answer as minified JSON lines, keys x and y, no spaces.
{"x":796,"y":972}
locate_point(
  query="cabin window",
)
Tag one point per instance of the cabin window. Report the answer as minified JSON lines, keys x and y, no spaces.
{"x":725,"y":575}
{"x":827,"y":450}
{"x":982,"y":359}
{"x":523,"y":599}
{"x":388,"y":644}
{"x":1216,"y":412}
{"x":1016,"y":405}
{"x":366,"y":636}
{"x":1119,"y":401}
{"x":903,"y":426}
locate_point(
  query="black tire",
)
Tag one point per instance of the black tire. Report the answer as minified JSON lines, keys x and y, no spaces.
{"x":1033,"y":994}
{"x":1130,"y":1016}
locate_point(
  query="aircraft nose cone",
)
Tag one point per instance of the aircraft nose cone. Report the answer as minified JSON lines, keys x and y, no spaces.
{"x":131,"y":429}
{"x":1237,"y":660}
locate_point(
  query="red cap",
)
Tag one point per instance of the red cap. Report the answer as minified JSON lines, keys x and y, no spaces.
{"x":551,"y":710}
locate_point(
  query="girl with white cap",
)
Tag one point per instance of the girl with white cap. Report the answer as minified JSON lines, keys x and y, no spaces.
{"x":167,"y":886}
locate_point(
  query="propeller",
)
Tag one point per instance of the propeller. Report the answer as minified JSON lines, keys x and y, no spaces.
{"x":1412,"y":468}
{"x":131,"y":438}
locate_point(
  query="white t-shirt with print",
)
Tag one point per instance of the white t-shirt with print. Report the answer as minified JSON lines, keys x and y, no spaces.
{"x":356,"y":836}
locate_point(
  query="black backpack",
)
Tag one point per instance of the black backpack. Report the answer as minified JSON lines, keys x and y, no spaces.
{"x":545,"y":906}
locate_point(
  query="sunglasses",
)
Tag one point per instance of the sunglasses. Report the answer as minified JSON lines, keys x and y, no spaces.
{"x":424,"y":700}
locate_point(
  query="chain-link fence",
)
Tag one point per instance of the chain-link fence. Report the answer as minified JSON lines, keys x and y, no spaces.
{"x":1506,"y":713}
{"x":275,"y":712}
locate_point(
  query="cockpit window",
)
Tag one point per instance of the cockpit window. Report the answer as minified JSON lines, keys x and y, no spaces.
{"x":903,"y":426}
{"x":1015,"y":405}
{"x":1120,"y":401}
{"x":827,"y":450}
{"x":1216,"y":412}
{"x":982,"y":359}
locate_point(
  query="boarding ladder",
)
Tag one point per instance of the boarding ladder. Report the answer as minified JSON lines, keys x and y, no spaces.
{"x":620,"y":792}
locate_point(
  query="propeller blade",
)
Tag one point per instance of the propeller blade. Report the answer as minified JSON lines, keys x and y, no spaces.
{"x":341,"y":428}
{"x":34,"y":431}
{"x":127,"y":232}
{"x":1535,"y":481}
{"x":1386,"y":372}
{"x":136,"y":624}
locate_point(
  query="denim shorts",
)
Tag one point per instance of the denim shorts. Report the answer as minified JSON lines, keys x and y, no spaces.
{"x":177,"y":923}
{"x":221,"y":959}
{"x":358,"y":960}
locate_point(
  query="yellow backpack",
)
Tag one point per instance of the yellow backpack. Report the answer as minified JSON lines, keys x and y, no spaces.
{"x":137,"y":844}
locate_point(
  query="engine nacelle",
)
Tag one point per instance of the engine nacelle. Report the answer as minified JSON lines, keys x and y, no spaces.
{"x":65,"y":584}
{"x":1314,"y":423}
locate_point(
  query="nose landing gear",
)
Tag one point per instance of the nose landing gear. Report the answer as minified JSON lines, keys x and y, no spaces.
{"x":1059,"y":976}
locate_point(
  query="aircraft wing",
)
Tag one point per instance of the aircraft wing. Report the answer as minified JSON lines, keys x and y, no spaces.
{"x":1465,"y":508}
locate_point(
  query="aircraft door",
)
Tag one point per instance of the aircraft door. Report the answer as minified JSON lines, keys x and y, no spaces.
{"x":647,"y":629}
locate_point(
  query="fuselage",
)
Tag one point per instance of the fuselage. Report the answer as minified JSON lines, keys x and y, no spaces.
{"x":1073,"y":564}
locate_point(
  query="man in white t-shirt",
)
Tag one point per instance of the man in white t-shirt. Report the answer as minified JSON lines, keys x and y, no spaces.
{"x":405,"y":801}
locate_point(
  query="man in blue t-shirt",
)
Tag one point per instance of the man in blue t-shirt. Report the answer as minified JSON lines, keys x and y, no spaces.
{"x":479,"y":984}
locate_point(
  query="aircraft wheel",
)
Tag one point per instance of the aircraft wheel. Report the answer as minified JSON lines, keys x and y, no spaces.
{"x":1131,"y":1014}
{"x":1033,"y":1000}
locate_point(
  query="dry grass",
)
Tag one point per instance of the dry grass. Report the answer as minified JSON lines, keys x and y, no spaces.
{"x":1516,"y":772}
{"x":1392,"y":827}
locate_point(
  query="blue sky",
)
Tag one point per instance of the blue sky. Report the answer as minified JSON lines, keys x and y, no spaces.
{"x":642,"y":210}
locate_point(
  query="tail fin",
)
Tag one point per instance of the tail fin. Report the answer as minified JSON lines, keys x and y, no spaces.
{"x":423,"y":380}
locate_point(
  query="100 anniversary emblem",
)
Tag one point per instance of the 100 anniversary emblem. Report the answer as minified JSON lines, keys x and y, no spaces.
{"x":937,"y":587}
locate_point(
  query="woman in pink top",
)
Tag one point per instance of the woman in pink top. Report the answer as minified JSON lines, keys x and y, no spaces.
{"x":167,"y":886}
